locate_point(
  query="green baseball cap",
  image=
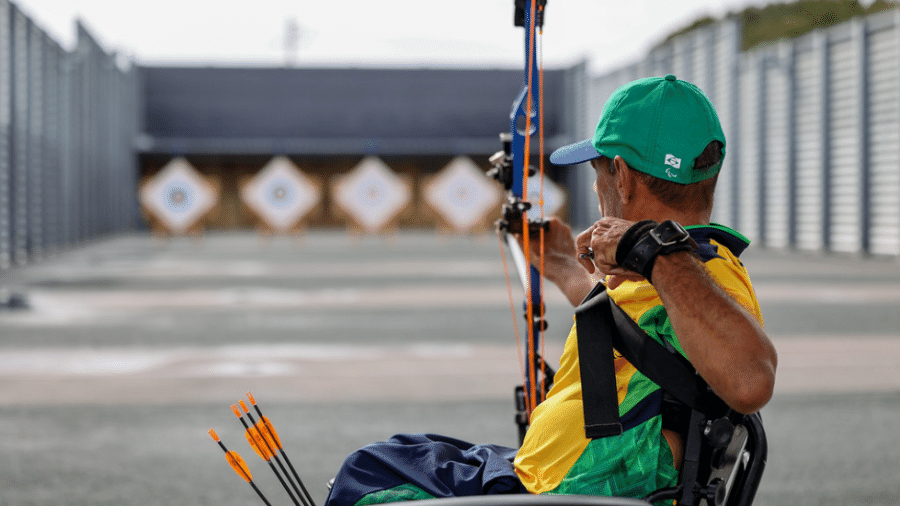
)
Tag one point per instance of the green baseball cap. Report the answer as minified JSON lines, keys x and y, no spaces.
{"x":658,"y":125}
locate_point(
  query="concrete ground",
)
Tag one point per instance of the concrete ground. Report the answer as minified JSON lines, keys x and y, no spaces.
{"x":133,"y":348}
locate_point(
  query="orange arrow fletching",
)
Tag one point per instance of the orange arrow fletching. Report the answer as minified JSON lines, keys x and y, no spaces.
{"x":259,"y":446}
{"x":265,"y":428}
{"x":239,"y":466}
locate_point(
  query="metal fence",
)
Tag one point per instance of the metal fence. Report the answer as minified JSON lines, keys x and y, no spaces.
{"x":813,"y":129}
{"x":67,"y":120}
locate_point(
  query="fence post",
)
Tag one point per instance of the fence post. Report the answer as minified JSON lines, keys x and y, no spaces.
{"x":762,"y":154}
{"x":824,"y":50}
{"x":6,"y":90}
{"x":790,"y":68}
{"x":859,"y":30}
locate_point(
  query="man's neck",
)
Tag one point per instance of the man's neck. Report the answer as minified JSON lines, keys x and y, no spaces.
{"x":649,"y":209}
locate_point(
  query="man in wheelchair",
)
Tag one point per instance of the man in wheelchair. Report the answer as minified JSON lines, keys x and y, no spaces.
{"x":681,"y":301}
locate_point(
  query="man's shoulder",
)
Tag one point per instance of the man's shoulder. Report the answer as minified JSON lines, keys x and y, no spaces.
{"x":720,"y":249}
{"x":714,"y":236}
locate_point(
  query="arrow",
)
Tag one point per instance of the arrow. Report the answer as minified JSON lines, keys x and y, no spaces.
{"x":265,"y":452}
{"x":272,"y":436}
{"x":239,"y":466}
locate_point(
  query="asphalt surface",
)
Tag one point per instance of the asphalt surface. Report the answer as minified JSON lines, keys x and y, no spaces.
{"x":132,"y":348}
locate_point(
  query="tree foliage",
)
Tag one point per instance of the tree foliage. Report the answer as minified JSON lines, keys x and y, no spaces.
{"x":791,"y":19}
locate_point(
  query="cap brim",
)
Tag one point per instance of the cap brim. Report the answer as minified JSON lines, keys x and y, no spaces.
{"x":575,"y":153}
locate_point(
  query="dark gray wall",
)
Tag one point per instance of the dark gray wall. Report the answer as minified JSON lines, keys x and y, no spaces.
{"x":333,"y":111}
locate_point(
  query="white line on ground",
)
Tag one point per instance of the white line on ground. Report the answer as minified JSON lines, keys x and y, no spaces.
{"x":338,"y":373}
{"x":86,"y":307}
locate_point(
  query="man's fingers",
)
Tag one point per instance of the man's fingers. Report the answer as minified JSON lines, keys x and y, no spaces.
{"x":588,"y":264}
{"x":613,"y":282}
{"x":618,"y":275}
{"x":583,"y":244}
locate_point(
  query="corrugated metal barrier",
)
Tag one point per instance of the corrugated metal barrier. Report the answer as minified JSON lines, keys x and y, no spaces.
{"x":813,"y":128}
{"x":67,"y":120}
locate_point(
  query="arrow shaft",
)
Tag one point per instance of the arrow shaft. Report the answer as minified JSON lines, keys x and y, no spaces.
{"x":299,"y":481}
{"x":260,"y":494}
{"x":283,"y":484}
{"x":269,"y":430}
{"x":255,"y":442}
{"x":302,"y":493}
{"x":236,"y":461}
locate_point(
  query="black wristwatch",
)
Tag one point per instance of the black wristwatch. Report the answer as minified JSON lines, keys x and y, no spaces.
{"x":663,"y":239}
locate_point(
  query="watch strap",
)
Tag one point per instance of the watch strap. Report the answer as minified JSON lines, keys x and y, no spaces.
{"x":662,"y":239}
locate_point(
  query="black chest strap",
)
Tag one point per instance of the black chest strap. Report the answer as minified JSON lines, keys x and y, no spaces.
{"x":601,"y":328}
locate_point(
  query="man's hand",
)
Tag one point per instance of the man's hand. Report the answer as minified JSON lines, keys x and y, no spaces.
{"x":602,"y":239}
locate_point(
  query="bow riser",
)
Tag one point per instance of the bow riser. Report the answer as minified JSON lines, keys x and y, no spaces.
{"x":510,"y":167}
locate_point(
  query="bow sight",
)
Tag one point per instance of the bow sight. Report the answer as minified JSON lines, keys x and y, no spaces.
{"x":513,"y":210}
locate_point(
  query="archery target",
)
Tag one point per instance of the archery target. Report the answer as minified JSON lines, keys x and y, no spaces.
{"x":371,"y":194}
{"x":280,"y":194}
{"x":462,"y":194}
{"x":178,"y":196}
{"x":554,"y":198}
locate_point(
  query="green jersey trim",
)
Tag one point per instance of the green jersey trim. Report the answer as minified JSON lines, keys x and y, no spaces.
{"x":405,"y":492}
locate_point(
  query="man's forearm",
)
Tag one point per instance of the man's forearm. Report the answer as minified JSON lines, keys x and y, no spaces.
{"x":576,"y":288}
{"x":726,"y":344}
{"x":571,"y":278}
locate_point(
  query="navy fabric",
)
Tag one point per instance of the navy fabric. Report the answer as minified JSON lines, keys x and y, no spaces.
{"x":729,"y":238}
{"x":439,"y":465}
{"x":646,"y":409}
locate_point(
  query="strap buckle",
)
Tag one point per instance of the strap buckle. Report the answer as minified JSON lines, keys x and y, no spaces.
{"x":679,"y":234}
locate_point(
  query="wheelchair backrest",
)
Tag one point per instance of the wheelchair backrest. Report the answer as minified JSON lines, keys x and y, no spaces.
{"x":723,"y":465}
{"x":734,"y":469}
{"x":743,"y":462}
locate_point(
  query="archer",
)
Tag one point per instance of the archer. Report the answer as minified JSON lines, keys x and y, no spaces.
{"x":657,"y":151}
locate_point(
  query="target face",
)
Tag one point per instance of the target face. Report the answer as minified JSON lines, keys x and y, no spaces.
{"x":462,"y":194}
{"x":179,"y":199}
{"x":178,"y":196}
{"x":372,"y":194}
{"x":280,"y":194}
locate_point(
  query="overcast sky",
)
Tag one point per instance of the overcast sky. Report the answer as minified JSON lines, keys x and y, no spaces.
{"x":460,"y":33}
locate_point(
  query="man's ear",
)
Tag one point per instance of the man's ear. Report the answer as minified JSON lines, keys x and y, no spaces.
{"x":625,"y":180}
